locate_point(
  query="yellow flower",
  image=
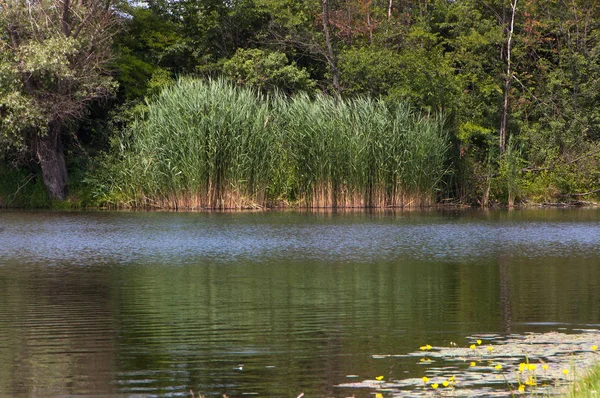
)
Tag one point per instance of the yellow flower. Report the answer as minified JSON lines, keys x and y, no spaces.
{"x":378,"y":395}
{"x":531,"y":367}
{"x":425,"y":379}
{"x":379,"y":378}
{"x":445,"y":383}
{"x":521,"y":388}
{"x":472,"y":364}
{"x":451,"y":378}
{"x":594,"y":347}
{"x":478,"y":342}
{"x":428,"y":347}
{"x":498,"y":367}
{"x":490,"y":348}
{"x":545,"y":366}
{"x":522,"y":366}
{"x":472,"y":346}
{"x":435,"y":386}
{"x":566,"y":371}
{"x":423,"y":347}
{"x":530,"y":381}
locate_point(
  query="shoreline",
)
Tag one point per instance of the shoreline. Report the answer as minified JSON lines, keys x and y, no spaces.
{"x":440,"y":206}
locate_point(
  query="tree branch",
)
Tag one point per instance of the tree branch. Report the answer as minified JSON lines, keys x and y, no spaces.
{"x":554,"y":165}
{"x":583,"y":194}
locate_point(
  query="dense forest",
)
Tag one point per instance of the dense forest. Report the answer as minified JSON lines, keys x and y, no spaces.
{"x":318,"y":103}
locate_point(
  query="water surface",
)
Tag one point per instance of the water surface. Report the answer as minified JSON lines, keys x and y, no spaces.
{"x":277,"y":303}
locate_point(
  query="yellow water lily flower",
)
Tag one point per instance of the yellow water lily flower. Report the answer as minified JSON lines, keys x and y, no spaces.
{"x":498,"y":367}
{"x":521,"y":388}
{"x":479,"y":342}
{"x":435,"y":386}
{"x":566,"y":371}
{"x":445,"y":383}
{"x":425,"y":379}
{"x":530,"y":381}
{"x":531,"y":366}
{"x":490,"y":348}
{"x":472,"y":346}
{"x":545,"y":366}
{"x":594,"y":347}
{"x":522,"y":366}
{"x":379,"y":378}
{"x":451,"y":378}
{"x":472,"y":364}
{"x":378,"y":395}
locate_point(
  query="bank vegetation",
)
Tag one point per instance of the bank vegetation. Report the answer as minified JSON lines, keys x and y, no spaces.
{"x":336,"y":103}
{"x":210,"y":144}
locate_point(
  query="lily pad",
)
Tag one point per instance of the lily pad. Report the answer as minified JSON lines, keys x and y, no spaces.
{"x":535,"y":362}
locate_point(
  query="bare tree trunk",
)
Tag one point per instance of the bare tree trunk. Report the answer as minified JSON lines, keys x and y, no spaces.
{"x":66,"y":25}
{"x":50,"y":153}
{"x":335,"y":73}
{"x":390,"y":5}
{"x":507,"y":79}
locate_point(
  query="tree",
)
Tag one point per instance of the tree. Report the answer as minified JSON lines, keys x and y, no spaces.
{"x":509,"y":76}
{"x":267,"y":71}
{"x":53,"y":60}
{"x":209,"y":30}
{"x":306,"y":28}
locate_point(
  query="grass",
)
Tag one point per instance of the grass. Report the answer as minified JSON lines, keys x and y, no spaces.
{"x":209,"y":144}
{"x":587,"y":387}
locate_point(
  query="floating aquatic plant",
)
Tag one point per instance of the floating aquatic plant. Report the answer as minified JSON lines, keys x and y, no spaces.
{"x":536,"y":364}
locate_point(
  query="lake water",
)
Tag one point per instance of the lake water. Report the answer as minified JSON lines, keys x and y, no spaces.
{"x":275,"y":303}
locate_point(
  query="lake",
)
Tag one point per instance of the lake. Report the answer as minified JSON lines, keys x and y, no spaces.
{"x":273,"y":304}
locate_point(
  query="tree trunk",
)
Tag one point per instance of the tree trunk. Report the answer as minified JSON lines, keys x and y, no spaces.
{"x":50,"y":153}
{"x":508,"y":79}
{"x":335,"y":72}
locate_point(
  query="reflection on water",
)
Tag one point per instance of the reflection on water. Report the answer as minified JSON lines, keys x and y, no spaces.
{"x":274,"y":303}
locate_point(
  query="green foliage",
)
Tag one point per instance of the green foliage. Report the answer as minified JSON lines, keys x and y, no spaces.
{"x":509,"y":180}
{"x":267,"y":71}
{"x":587,"y":387}
{"x":210,"y":144}
{"x":133,"y":75}
{"x":52,"y":68}
{"x":21,"y":188}
{"x":149,"y":42}
{"x":439,"y":55}
{"x":207,"y":30}
{"x":47,"y":75}
{"x":160,"y":80}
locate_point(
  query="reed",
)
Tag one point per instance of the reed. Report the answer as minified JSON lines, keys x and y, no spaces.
{"x":587,"y":387}
{"x":208,"y":144}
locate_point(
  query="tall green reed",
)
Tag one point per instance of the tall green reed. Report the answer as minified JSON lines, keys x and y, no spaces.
{"x":209,"y":144}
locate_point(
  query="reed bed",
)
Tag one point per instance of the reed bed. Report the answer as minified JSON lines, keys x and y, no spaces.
{"x":209,"y":144}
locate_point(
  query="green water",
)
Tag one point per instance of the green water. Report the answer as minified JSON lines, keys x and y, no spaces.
{"x":278,"y":303}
